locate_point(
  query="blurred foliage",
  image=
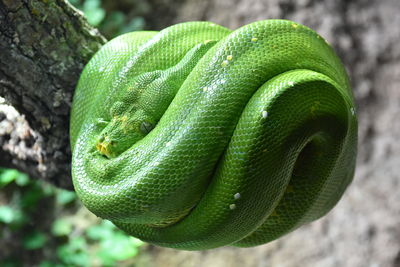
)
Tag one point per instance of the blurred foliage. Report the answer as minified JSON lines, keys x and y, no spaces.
{"x":41,"y":225}
{"x":114,"y":17}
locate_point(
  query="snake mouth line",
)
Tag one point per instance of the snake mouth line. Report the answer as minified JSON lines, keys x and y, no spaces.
{"x":103,"y":148}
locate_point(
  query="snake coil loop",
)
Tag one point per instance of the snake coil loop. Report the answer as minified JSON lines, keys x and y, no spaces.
{"x":197,"y":136}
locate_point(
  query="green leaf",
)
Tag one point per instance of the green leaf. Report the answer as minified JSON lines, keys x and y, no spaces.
{"x":136,"y":24}
{"x":32,"y":196}
{"x":115,"y":245}
{"x":74,"y":252}
{"x":119,"y":247}
{"x":113,"y":23}
{"x":61,"y":227}
{"x":7,"y":214}
{"x":34,"y":240}
{"x":95,"y":16}
{"x":93,"y":12}
{"x":77,"y":244}
{"x":136,"y":242}
{"x":90,"y":4}
{"x":46,"y":188}
{"x":7,"y":176}
{"x":75,"y":3}
{"x":14,"y":217}
{"x":64,"y":197}
{"x":104,"y":230}
{"x":22,"y":179}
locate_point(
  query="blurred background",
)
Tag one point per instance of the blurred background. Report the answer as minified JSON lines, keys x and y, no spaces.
{"x":41,"y":225}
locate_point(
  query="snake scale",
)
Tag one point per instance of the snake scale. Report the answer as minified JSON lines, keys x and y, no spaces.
{"x":197,"y":137}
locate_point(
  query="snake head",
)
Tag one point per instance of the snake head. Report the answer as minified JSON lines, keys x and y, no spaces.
{"x":121,"y":133}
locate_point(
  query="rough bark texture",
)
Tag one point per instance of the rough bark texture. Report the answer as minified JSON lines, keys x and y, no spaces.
{"x":43,"y":48}
{"x":44,"y":44}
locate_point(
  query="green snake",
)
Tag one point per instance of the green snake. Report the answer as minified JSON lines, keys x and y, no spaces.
{"x":197,"y":137}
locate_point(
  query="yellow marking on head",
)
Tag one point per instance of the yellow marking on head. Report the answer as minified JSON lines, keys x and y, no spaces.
{"x":104,"y":147}
{"x":126,"y":127}
{"x":294,"y":25}
{"x":254,"y":39}
{"x":124,"y":118}
{"x":99,"y":147}
{"x":229,"y":57}
{"x":207,"y":41}
{"x":124,"y":121}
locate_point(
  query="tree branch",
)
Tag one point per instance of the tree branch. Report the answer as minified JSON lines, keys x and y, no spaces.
{"x":43,"y":47}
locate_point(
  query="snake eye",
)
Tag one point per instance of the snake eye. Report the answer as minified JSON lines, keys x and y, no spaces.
{"x":146,"y":127}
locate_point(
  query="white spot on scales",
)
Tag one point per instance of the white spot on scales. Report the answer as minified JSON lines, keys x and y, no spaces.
{"x":264,"y":114}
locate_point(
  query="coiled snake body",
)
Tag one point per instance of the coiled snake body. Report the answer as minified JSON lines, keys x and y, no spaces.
{"x":197,"y":136}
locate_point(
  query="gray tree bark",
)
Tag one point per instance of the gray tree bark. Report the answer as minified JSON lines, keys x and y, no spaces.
{"x":45,"y":44}
{"x":43,"y":48}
